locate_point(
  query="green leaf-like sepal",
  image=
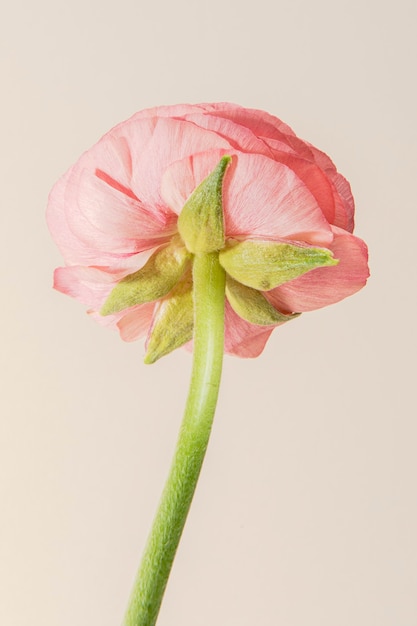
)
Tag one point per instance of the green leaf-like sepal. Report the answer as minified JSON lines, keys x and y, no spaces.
{"x":156,"y":278}
{"x":252,"y":306}
{"x":173,"y":323}
{"x":264,"y":265}
{"x":200,"y":222}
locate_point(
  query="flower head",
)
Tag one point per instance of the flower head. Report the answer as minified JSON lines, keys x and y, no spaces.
{"x":120,"y":217}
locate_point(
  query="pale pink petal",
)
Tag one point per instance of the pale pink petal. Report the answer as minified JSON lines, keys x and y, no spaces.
{"x":172,"y":140}
{"x":122,"y":198}
{"x":178,"y":111}
{"x":331,"y":190}
{"x":110,"y":220}
{"x":107,"y":321}
{"x":242,"y":338}
{"x":110,"y":160}
{"x":129,"y":146}
{"x":263,"y":198}
{"x":182,"y":177}
{"x":250,"y":130}
{"x":89,"y":285}
{"x":340,"y":210}
{"x":324,"y":286}
{"x":266,"y":127}
{"x":238,"y":136}
{"x":314,"y":179}
{"x":72,"y":249}
{"x":259,"y":122}
{"x":131,"y":324}
{"x":136,"y":322}
{"x":112,"y":155}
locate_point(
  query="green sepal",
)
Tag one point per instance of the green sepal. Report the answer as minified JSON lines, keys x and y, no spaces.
{"x":264,"y":265}
{"x":200,"y":222}
{"x":252,"y":306}
{"x":173,"y":323}
{"x":156,"y":278}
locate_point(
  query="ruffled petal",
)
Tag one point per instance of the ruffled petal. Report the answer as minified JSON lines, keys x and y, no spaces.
{"x":243,"y":338}
{"x":263,"y":198}
{"x":72,"y":249}
{"x":111,"y":221}
{"x":122,"y":199}
{"x":259,"y":122}
{"x":182,"y":177}
{"x":344,"y":202}
{"x":89,"y":285}
{"x":171,"y":141}
{"x":77,"y":219}
{"x":238,"y":136}
{"x":136,"y":322}
{"x":178,"y":111}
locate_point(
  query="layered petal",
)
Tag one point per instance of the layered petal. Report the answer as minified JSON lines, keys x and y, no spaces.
{"x":182,"y":177}
{"x":263,"y":198}
{"x":92,"y":208}
{"x":136,"y":322}
{"x":243,"y":338}
{"x":122,"y":199}
{"x":89,"y":285}
{"x":259,"y":122}
{"x":116,"y":224}
{"x":237,"y":135}
{"x":171,"y":141}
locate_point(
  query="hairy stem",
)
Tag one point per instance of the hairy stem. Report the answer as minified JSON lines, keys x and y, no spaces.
{"x":150,"y":583}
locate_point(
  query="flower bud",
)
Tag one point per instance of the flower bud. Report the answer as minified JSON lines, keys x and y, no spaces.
{"x":173,"y":322}
{"x":156,"y":278}
{"x":264,"y":265}
{"x":200,"y":223}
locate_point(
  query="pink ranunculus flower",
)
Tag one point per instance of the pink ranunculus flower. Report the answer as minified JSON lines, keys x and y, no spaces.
{"x":121,"y":201}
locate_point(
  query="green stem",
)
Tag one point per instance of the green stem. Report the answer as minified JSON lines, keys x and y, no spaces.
{"x":150,"y":583}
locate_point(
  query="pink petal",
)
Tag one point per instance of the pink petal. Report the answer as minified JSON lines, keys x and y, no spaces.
{"x":328,"y":285}
{"x":136,"y":322}
{"x":314,"y":179}
{"x":89,"y":285}
{"x":72,"y":249}
{"x":242,"y":338}
{"x":266,"y":127}
{"x":330,"y":189}
{"x":182,"y":177}
{"x":263,"y":198}
{"x":238,"y":136}
{"x":259,"y":122}
{"x":179,"y":111}
{"x":68,"y":211}
{"x":345,"y":206}
{"x":109,"y":220}
{"x":171,"y":140}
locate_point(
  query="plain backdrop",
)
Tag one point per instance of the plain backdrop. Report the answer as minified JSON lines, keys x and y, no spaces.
{"x":306,"y":513}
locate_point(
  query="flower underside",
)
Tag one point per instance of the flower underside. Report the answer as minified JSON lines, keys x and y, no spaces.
{"x":252,"y":267}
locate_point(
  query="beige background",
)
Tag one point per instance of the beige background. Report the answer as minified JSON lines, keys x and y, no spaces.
{"x":306,"y":510}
